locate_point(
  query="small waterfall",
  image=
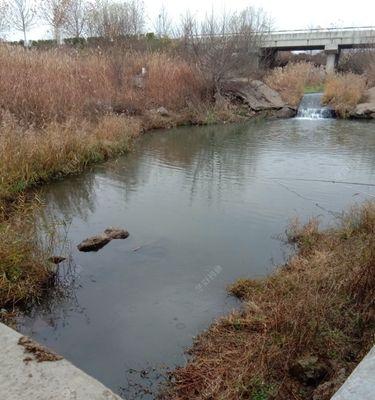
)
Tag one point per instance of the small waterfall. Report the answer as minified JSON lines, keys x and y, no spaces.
{"x":311,"y":107}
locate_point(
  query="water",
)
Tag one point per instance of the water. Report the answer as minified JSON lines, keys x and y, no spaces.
{"x":204,"y":206}
{"x":311,"y":107}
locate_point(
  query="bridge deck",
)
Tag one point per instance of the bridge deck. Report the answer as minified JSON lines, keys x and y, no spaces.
{"x":320,"y":39}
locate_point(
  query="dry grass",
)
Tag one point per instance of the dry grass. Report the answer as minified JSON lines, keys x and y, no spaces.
{"x":321,"y":304}
{"x":291,"y":80}
{"x":343,"y":92}
{"x":31,"y":156}
{"x":61,"y":110}
{"x":38,"y":86}
{"x":24,"y":270}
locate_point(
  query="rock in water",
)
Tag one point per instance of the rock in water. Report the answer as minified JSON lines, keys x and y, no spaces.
{"x":57,"y":259}
{"x":94,"y":243}
{"x":116,"y":233}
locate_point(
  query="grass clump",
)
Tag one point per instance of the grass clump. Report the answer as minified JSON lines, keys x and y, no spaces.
{"x":343,"y":92}
{"x":308,"y":323}
{"x":25,"y":272}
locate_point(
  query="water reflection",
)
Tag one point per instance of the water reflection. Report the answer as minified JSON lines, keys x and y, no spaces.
{"x":195,"y":200}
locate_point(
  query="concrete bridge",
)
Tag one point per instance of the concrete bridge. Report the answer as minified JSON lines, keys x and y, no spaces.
{"x":331,"y":40}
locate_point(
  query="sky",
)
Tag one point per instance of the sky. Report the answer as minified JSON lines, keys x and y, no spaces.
{"x":286,"y":14}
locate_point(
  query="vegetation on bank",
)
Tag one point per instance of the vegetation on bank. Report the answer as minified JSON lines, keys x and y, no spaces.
{"x":301,"y":330}
{"x":61,"y":111}
{"x":343,"y":92}
{"x":290,"y":81}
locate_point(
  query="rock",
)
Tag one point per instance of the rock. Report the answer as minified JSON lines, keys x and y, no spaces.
{"x":163,"y":112}
{"x":327,"y":389}
{"x":94,"y":243}
{"x":57,"y":259}
{"x":255,"y":94}
{"x":309,"y":370}
{"x":366,"y":110}
{"x":116,"y":233}
{"x":286,"y":112}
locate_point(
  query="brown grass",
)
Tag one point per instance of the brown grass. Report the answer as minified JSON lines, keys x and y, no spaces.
{"x":320,"y":304}
{"x":290,"y":81}
{"x":344,"y":91}
{"x":61,"y":110}
{"x":24,"y":270}
{"x":38,"y":86}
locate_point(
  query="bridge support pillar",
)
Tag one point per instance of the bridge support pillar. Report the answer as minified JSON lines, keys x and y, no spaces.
{"x":333,"y":54}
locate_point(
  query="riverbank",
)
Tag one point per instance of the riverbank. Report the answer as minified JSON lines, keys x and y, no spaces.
{"x":30,"y":159}
{"x":302,"y":330}
{"x":71,"y":110}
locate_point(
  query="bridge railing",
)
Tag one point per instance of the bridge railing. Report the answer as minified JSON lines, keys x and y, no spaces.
{"x":346,"y":28}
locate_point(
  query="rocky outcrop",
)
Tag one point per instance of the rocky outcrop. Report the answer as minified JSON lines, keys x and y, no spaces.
{"x":258,"y":97}
{"x":95,"y":243}
{"x":366,"y":110}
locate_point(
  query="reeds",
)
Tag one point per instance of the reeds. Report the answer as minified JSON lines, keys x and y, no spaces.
{"x":290,"y":81}
{"x":344,"y":91}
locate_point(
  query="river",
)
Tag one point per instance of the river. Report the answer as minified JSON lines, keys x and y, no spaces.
{"x":204,"y":206}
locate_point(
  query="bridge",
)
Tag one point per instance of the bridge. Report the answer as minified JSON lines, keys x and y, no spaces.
{"x":331,"y":40}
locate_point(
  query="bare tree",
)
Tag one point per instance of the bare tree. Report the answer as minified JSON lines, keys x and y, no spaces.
{"x":4,"y":8}
{"x":163,"y":24}
{"x":113,"y":19}
{"x":22,"y":16}
{"x":76,"y":18}
{"x":55,"y":12}
{"x":226,"y":46}
{"x":136,"y":16}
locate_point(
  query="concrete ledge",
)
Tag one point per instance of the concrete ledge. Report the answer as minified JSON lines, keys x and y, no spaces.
{"x":23,"y":378}
{"x":361,"y":383}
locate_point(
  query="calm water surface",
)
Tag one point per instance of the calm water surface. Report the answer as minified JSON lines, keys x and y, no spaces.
{"x":203,"y":206}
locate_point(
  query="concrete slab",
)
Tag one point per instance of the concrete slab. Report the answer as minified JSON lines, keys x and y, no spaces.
{"x":361,"y":383}
{"x":22,"y":377}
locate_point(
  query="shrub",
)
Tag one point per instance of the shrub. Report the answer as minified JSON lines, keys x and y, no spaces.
{"x":343,"y":92}
{"x":290,"y":81}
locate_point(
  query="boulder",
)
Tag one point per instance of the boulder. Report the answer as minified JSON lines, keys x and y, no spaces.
{"x":309,"y":370}
{"x":286,"y":112}
{"x":255,"y":94}
{"x":163,"y":112}
{"x":116,"y":233}
{"x":366,"y":110}
{"x":94,"y":243}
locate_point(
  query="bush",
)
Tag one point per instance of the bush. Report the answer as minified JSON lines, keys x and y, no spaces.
{"x":290,"y":81}
{"x":343,"y":92}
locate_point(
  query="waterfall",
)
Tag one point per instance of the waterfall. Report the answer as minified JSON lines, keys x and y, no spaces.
{"x":311,"y":107}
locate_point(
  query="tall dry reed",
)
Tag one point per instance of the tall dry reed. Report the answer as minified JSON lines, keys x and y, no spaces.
{"x":290,"y":81}
{"x":344,"y":91}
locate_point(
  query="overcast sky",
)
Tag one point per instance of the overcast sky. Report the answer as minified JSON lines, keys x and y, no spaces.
{"x":286,"y":14}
